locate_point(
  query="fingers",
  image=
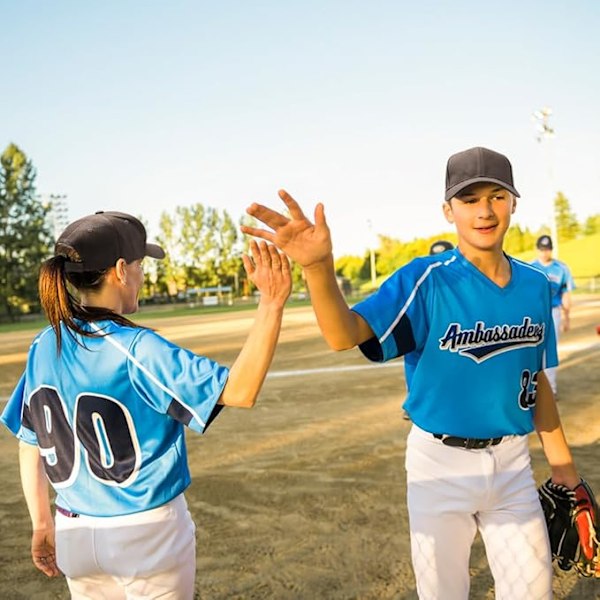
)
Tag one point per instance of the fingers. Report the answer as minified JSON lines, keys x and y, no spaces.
{"x":248,"y":265}
{"x":264,"y":255}
{"x":272,"y":218}
{"x":320,"y":220}
{"x":46,"y":564}
{"x":269,"y":217}
{"x":256,"y":232}
{"x":292,"y":205}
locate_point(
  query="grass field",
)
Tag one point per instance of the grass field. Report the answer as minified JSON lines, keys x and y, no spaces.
{"x":302,"y":497}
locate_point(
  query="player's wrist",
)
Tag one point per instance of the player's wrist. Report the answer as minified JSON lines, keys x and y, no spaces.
{"x":323,"y":262}
{"x":566,"y":476}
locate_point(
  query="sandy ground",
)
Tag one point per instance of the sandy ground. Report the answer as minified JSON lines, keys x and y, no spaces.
{"x":302,"y":497}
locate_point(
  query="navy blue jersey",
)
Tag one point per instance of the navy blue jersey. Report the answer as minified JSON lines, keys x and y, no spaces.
{"x":109,"y":419}
{"x":476,"y":349}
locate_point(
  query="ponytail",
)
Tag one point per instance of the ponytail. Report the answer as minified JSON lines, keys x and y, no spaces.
{"x":61,"y":306}
{"x":55,"y":298}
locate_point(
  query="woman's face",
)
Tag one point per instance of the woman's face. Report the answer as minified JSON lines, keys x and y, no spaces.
{"x":134,"y":280}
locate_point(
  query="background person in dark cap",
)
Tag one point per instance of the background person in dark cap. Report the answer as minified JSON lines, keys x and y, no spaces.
{"x":101,"y":412}
{"x":480,"y":326}
{"x":561,"y":284}
{"x":440,"y":246}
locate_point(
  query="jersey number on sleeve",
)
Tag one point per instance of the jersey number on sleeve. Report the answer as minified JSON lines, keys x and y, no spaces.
{"x":103,"y":427}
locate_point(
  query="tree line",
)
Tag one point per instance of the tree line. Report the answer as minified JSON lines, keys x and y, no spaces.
{"x":203,"y":245}
{"x":393,"y":253}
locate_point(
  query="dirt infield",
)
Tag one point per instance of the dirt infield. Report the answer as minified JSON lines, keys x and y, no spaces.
{"x":303,"y":496}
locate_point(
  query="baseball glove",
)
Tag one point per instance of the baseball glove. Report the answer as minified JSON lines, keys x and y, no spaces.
{"x":572,"y":517}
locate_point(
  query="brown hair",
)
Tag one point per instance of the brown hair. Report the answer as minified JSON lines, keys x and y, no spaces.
{"x":60,"y":305}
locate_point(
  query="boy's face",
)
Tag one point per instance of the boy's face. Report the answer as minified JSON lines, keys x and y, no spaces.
{"x":545,"y":255}
{"x":481,"y":214}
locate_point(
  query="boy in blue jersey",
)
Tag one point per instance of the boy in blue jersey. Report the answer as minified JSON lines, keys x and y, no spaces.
{"x":479,"y":324}
{"x":101,"y":408}
{"x":561,"y":284}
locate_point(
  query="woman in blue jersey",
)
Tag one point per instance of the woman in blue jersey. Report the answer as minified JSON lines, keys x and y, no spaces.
{"x":479,"y":326}
{"x":101,"y":408}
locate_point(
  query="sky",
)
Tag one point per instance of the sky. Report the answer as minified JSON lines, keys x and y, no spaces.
{"x":142,"y":106}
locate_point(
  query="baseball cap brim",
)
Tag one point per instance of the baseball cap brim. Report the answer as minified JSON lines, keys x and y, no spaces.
{"x":459,"y":187}
{"x":154,"y":251}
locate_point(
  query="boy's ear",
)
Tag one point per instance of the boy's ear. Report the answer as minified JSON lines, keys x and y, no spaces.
{"x":447,"y":208}
{"x":514,"y":204}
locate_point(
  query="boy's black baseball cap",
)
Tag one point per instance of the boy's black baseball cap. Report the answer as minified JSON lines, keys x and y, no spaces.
{"x":478,"y":165}
{"x":544,"y":242}
{"x":104,"y":237}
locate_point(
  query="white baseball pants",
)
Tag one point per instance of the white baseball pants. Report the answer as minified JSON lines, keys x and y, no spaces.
{"x":452,"y":494}
{"x":151,"y":554}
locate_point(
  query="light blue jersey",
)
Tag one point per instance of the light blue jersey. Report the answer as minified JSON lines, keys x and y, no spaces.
{"x":560,"y":278}
{"x":478,"y":347}
{"x":109,"y":420}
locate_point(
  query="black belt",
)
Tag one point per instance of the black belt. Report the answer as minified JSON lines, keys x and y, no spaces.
{"x":67,"y":513}
{"x":469,"y":443}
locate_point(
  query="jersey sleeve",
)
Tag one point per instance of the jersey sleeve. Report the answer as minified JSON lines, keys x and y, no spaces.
{"x":569,"y":282}
{"x":396,"y":314}
{"x":175,"y":381}
{"x":15,"y":414}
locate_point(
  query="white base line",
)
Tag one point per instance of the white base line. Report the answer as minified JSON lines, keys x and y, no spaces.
{"x":276,"y":374}
{"x":566,"y":348}
{"x":563,"y":349}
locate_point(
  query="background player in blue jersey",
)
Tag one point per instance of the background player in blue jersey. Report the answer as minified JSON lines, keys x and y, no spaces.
{"x":561,"y":284}
{"x":480,"y":324}
{"x":101,"y":408}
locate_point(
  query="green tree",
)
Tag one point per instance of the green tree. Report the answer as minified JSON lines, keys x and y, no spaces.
{"x":519,"y":240}
{"x":203,"y":249}
{"x":25,"y":237}
{"x":170,"y":276}
{"x":591,"y":225}
{"x":350,"y":267}
{"x":228,"y":261}
{"x":567,"y":226}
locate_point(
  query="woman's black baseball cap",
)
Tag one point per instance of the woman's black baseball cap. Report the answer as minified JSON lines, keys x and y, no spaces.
{"x":478,"y":165}
{"x":102,"y":239}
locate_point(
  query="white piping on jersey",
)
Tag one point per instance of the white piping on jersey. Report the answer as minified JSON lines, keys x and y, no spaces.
{"x":412,"y":295}
{"x":529,"y":266}
{"x":152,"y":377}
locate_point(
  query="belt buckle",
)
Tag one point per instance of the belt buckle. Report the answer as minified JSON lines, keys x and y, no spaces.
{"x":477,"y":444}
{"x":452,"y":440}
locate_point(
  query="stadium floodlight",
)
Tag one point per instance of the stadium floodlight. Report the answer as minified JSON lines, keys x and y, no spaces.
{"x":372,"y":243}
{"x":544,"y":133}
{"x":542,"y":125}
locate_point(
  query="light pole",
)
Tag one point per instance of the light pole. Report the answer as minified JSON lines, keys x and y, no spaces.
{"x":372,"y":253}
{"x":58,"y":217}
{"x":544,"y":134}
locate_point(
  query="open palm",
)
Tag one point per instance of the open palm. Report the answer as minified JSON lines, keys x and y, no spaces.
{"x":304,"y":242}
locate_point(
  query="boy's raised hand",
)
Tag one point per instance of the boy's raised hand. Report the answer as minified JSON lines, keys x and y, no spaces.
{"x":304,"y":242}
